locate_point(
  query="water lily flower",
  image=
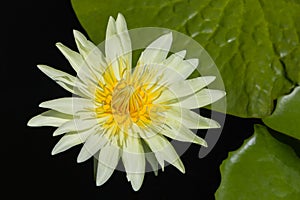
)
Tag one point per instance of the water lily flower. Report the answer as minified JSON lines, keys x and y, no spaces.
{"x":123,"y":112}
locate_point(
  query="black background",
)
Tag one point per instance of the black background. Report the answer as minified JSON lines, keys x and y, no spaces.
{"x":31,"y":30}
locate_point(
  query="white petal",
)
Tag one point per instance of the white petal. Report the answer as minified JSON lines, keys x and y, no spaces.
{"x":157,"y":51}
{"x":63,"y":79}
{"x":89,"y":118}
{"x":91,"y":146}
{"x":85,"y":85}
{"x":49,"y":118}
{"x":71,"y":139}
{"x":74,"y":58}
{"x":69,"y":126}
{"x":191,"y":86}
{"x":174,"y":59}
{"x":150,"y":157}
{"x":122,"y":31}
{"x":161,"y":71}
{"x":200,"y":99}
{"x":178,"y":132}
{"x":181,"y":70}
{"x":121,"y":26}
{"x":174,"y":68}
{"x":113,"y":46}
{"x":76,"y":125}
{"x":68,"y":82}
{"x":118,"y":45}
{"x":84,"y":73}
{"x":117,"y":42}
{"x":108,"y":159}
{"x":91,"y":53}
{"x":184,"y":88}
{"x":84,"y":46}
{"x":89,"y":81}
{"x":181,"y":54}
{"x":191,"y":119}
{"x":136,"y":180}
{"x":68,"y":105}
{"x":111,"y":29}
{"x":134,"y":161}
{"x":163,"y":150}
{"x":187,"y":67}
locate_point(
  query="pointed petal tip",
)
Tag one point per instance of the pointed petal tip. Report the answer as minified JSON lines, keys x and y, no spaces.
{"x":79,"y":159}
{"x":210,"y":78}
{"x":200,"y":141}
{"x":183,"y":51}
{"x":181,"y":54}
{"x":135,"y":187}
{"x":100,"y":181}
{"x":54,"y":151}
{"x":136,"y":183}
{"x":79,"y":37}
{"x":56,"y":133}
{"x":61,"y":47}
{"x":111,"y":19}
{"x":120,"y":16}
{"x":33,"y":122}
{"x":214,"y":125}
{"x":111,"y":28}
{"x":30,"y":123}
{"x":40,"y":66}
{"x":204,"y":144}
{"x":221,"y":94}
{"x":166,"y":37}
{"x":75,"y":32}
{"x":194,"y":61}
{"x":169,"y":36}
{"x":180,"y":167}
{"x":43,"y":104}
{"x":121,"y":24}
{"x":82,"y":157}
{"x":216,"y":95}
{"x":45,"y":68}
{"x":58,"y":44}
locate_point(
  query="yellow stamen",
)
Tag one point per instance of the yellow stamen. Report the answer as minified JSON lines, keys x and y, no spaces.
{"x":129,"y":100}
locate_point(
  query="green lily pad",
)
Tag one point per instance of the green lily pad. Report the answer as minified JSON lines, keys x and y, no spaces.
{"x":263,"y":168}
{"x":286,"y":117}
{"x":255,"y":43}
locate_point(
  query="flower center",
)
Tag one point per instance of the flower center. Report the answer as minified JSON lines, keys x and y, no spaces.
{"x":120,"y":103}
{"x":127,"y":101}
